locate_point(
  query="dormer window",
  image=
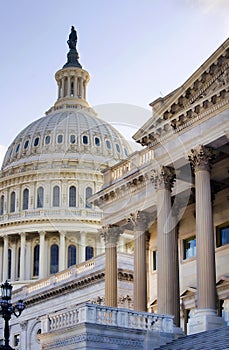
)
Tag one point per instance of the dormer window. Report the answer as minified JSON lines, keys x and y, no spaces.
{"x":97,"y":141}
{"x":26,"y":144}
{"x":72,"y":139}
{"x":47,"y":140}
{"x":85,"y":140}
{"x":108,"y":144}
{"x":117,"y":147}
{"x":17,"y":148}
{"x":60,"y":138}
{"x":36,"y":141}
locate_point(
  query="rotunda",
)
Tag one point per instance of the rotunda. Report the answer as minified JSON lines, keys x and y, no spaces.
{"x":48,"y":174}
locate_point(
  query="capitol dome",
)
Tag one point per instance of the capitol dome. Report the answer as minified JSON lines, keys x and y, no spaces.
{"x":51,"y":169}
{"x":67,"y":134}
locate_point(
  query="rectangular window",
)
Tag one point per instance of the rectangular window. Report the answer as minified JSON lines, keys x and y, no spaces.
{"x":189,"y":246}
{"x":16,"y":339}
{"x":222,"y":235}
{"x":155,"y":260}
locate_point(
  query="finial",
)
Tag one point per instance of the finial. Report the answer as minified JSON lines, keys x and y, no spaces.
{"x":72,"y":55}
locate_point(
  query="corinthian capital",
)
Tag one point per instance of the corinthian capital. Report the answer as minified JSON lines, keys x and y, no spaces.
{"x":139,"y":220}
{"x":110,"y":234}
{"x":200,"y":158}
{"x":163,"y":178}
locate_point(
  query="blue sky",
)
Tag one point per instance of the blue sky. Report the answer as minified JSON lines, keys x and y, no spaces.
{"x":135,"y":51}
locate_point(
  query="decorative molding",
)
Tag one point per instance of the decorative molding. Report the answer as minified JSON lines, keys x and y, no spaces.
{"x":163,"y":178}
{"x":201,"y":158}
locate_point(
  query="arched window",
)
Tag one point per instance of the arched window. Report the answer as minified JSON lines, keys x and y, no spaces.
{"x":72,"y":196}
{"x":2,"y":205}
{"x":117,"y":147}
{"x":72,"y":139}
{"x":72,"y":88}
{"x":36,"y":141}
{"x":97,"y":141}
{"x":36,"y":252}
{"x":88,"y":195}
{"x":60,"y":138}
{"x":47,"y":140}
{"x":18,"y":262}
{"x":40,"y":197}
{"x":54,"y":258}
{"x":85,"y":140}
{"x":12,"y":202}
{"x":108,"y":144}
{"x":9,"y":263}
{"x":26,"y":144}
{"x":71,"y":255}
{"x":25,"y":204}
{"x":56,"y":196}
{"x":89,"y":252}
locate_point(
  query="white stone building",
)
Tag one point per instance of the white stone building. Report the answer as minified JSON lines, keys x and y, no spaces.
{"x":165,"y":221}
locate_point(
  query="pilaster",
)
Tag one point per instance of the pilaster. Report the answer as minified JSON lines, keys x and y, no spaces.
{"x":22,"y":256}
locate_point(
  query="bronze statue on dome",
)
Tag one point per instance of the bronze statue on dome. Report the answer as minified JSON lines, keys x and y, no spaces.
{"x":72,"y":40}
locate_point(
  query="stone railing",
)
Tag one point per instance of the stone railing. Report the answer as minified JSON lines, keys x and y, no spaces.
{"x":82,"y":214}
{"x":136,"y":160}
{"x":103,"y":315}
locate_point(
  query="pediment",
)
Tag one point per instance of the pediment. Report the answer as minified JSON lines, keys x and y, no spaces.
{"x":188,"y":291}
{"x":204,"y":93}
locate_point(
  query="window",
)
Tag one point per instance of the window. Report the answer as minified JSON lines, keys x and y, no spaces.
{"x":85,"y":140}
{"x":88,"y":195}
{"x":125,"y":152}
{"x":16,"y":339}
{"x":89,"y":252}
{"x":40,"y":197}
{"x":36,"y":141}
{"x":59,"y":138}
{"x":2,"y":205}
{"x":56,"y":196}
{"x":9,"y":263}
{"x":26,"y":144}
{"x":18,"y":262}
{"x":97,"y":141}
{"x":155,"y":260}
{"x":71,"y":255}
{"x":36,"y":253}
{"x":72,"y":89}
{"x":54,"y":258}
{"x":108,"y":144}
{"x":12,"y":202}
{"x":47,"y":140}
{"x":222,"y":235}
{"x":72,"y":139}
{"x":72,"y":196}
{"x":189,"y":245}
{"x":17,"y":148}
{"x":25,"y":204}
{"x":117,"y":147}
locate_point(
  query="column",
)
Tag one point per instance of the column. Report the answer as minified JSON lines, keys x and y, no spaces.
{"x":28,"y":261}
{"x":81,"y":87}
{"x":75,"y":87}
{"x":163,"y":180}
{"x":68,"y":86}
{"x":1,"y":263}
{"x":205,"y":317}
{"x":5,"y":258}
{"x":139,"y":222}
{"x":110,"y":235}
{"x":62,"y":253}
{"x":14,"y":261}
{"x":22,"y":257}
{"x":42,"y":255}
{"x":82,"y":247}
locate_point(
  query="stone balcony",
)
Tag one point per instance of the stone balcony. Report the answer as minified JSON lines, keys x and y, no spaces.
{"x":91,"y":326}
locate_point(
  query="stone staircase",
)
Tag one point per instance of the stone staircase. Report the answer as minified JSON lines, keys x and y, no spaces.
{"x":216,"y":339}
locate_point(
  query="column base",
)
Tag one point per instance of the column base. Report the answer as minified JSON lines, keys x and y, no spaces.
{"x":203,"y":320}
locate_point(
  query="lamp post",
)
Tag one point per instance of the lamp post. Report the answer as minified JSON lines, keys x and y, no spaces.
{"x":7,"y":309}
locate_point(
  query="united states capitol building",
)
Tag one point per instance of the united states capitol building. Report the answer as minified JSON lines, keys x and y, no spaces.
{"x":115,"y":249}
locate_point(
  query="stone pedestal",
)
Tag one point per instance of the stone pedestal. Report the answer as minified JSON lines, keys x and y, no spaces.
{"x":204,"y":319}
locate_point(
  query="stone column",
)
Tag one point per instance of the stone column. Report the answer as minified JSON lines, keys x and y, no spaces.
{"x":68,"y":86}
{"x":22,"y":256}
{"x":1,"y":263}
{"x":28,"y":261}
{"x":139,"y":222}
{"x":14,"y":261}
{"x":5,"y":258}
{"x":62,"y":255}
{"x":110,"y":235}
{"x":81,"y":87}
{"x":42,"y":255}
{"x":205,"y":317}
{"x":163,"y":180}
{"x":82,"y":246}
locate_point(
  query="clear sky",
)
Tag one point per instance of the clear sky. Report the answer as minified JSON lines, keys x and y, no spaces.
{"x":134,"y":50}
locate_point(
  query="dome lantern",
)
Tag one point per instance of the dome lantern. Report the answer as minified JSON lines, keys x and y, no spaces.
{"x":72,"y":79}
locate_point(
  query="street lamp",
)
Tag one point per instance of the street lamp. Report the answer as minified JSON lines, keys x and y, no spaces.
{"x":7,"y":309}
